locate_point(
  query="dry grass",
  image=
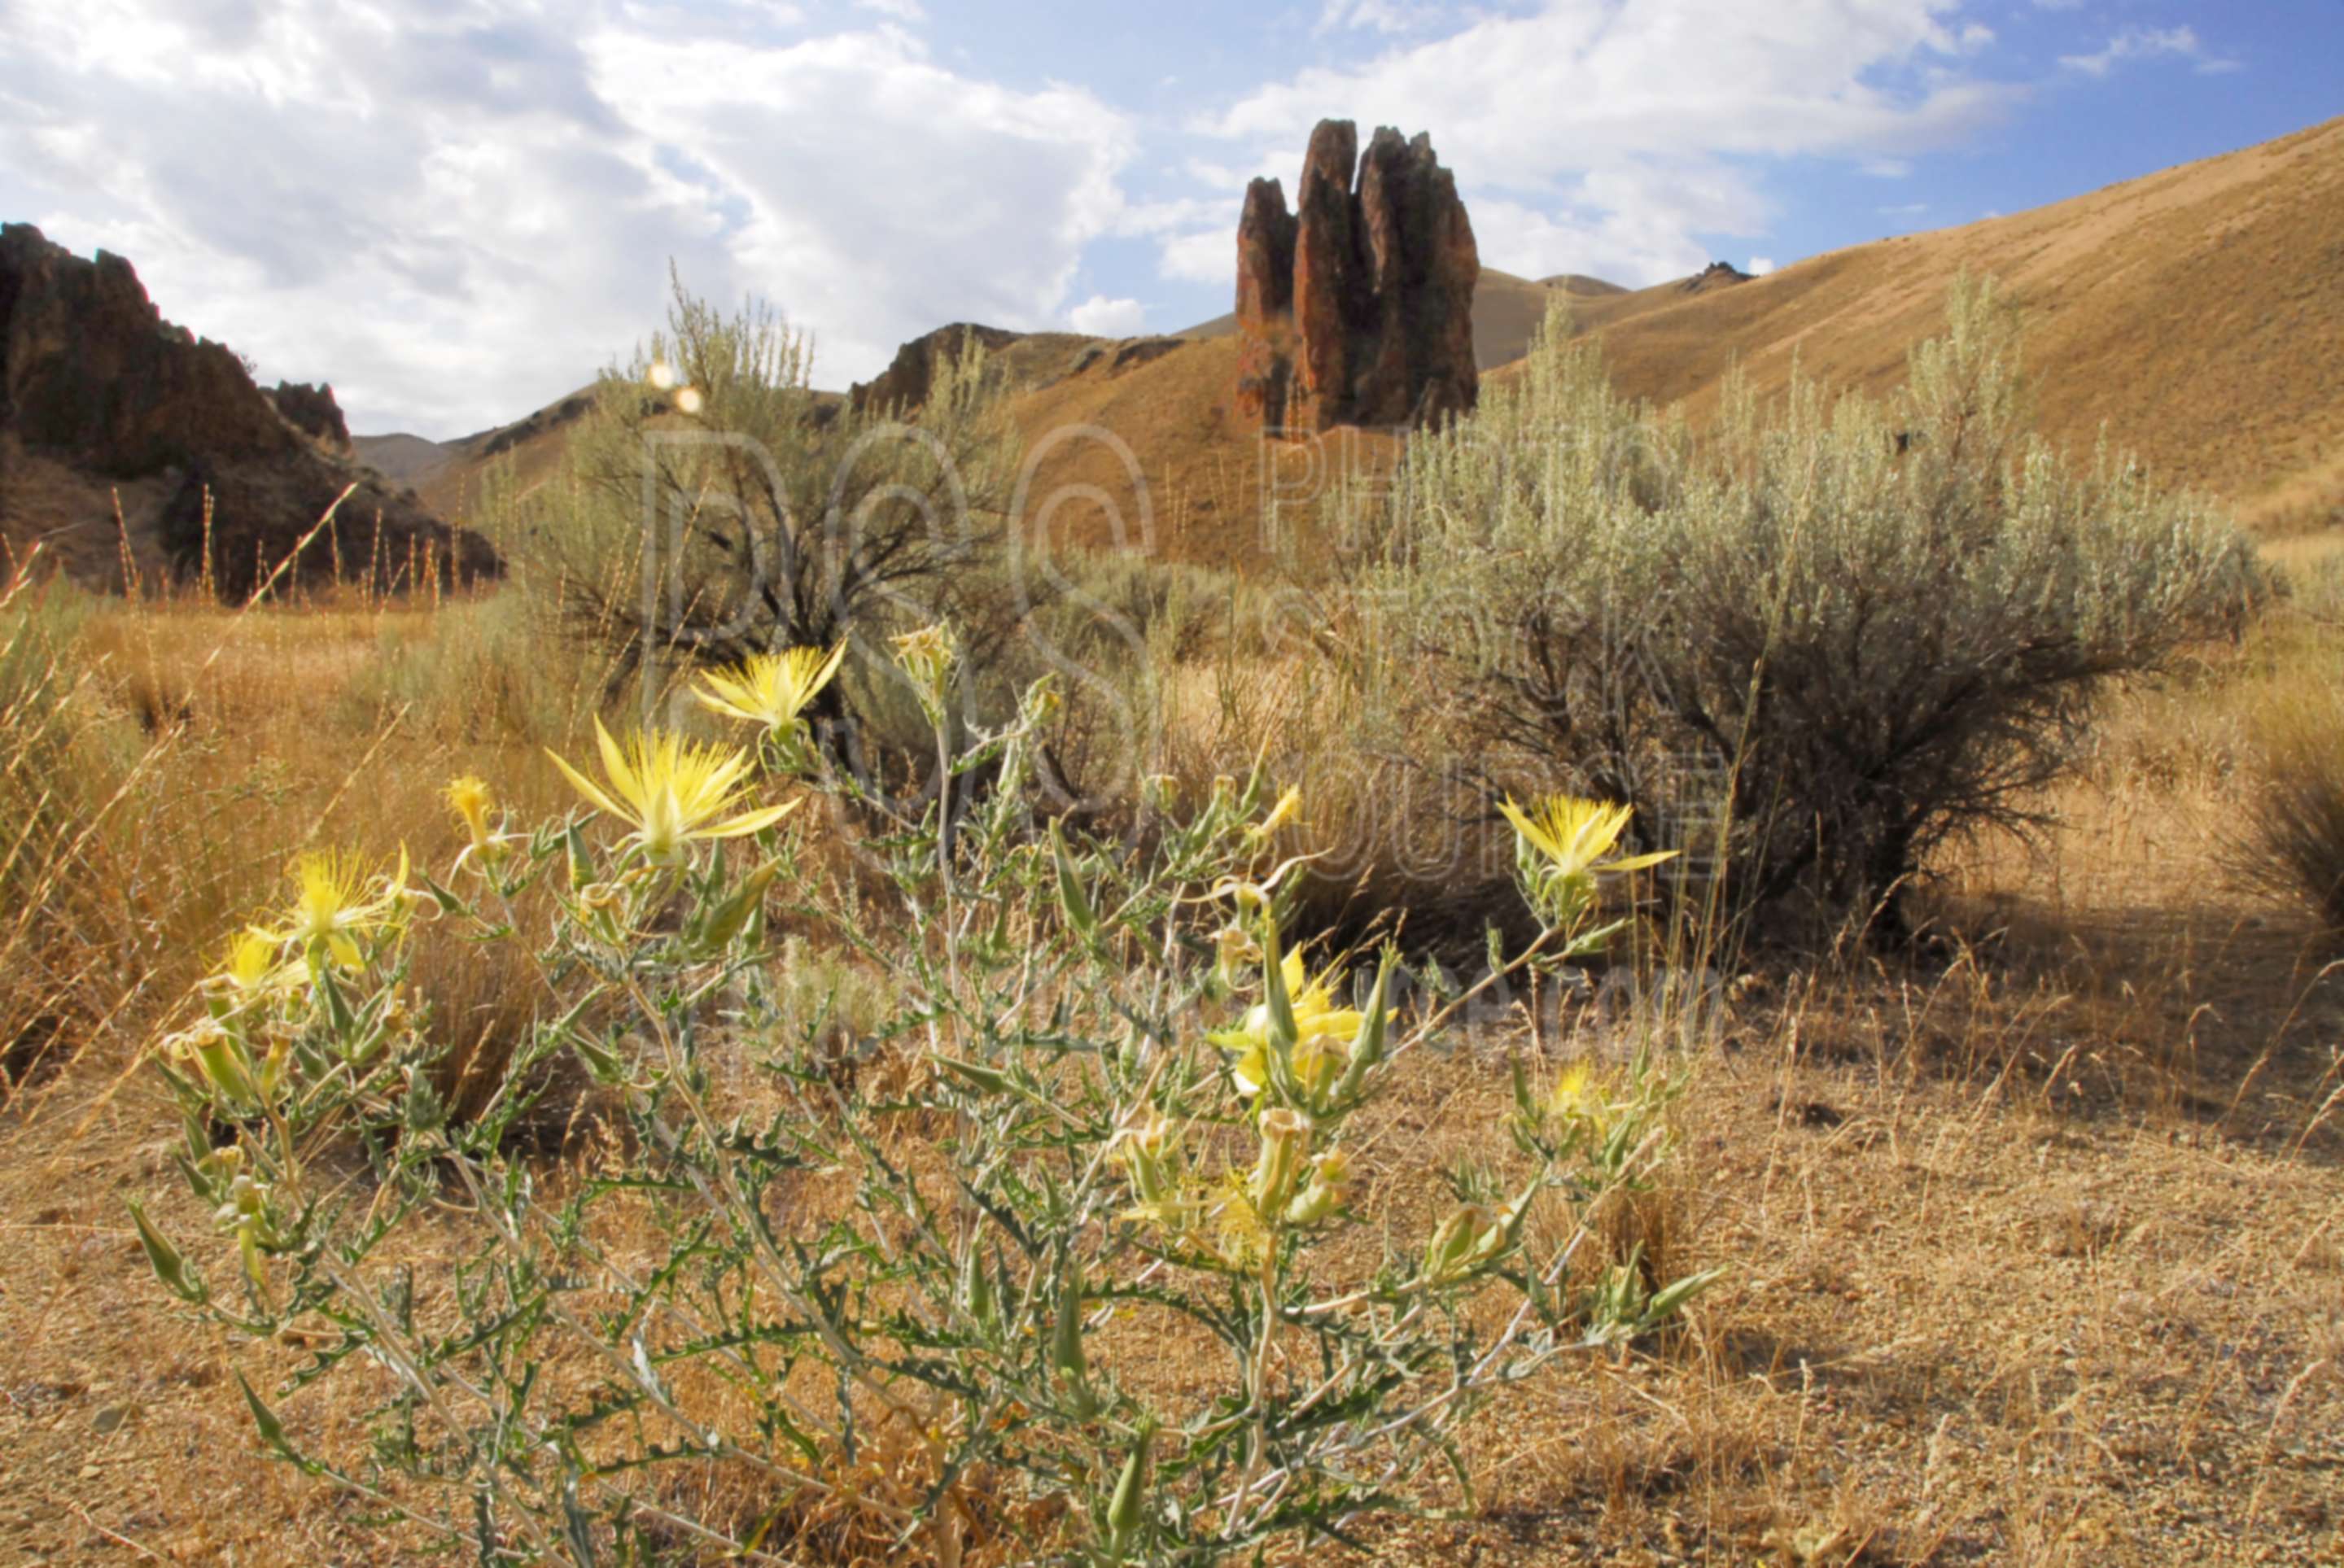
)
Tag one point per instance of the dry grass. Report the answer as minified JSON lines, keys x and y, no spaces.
{"x":2035,"y":1251}
{"x":2177,"y":312}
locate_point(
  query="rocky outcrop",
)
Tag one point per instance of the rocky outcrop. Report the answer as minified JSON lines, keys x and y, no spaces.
{"x":1716,"y":275}
{"x":1357,"y":307}
{"x":904,"y":385}
{"x":101,"y":398}
{"x":313,"y":411}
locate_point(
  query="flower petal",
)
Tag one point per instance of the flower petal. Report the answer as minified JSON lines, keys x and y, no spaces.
{"x":740,"y":827}
{"x":588,"y":788}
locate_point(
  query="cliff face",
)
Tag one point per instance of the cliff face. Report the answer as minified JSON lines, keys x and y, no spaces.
{"x":1356,"y":308}
{"x":100,"y":399}
{"x":904,"y":385}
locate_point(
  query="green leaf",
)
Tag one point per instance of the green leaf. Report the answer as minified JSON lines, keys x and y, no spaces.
{"x":1071,"y":897}
{"x":272,"y":1430}
{"x":168,"y":1265}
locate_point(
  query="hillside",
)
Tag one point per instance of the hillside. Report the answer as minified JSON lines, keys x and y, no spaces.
{"x":132,"y":450}
{"x":2193,"y":314}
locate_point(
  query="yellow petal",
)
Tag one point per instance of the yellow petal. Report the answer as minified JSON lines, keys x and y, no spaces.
{"x":829,"y":667}
{"x":588,"y":788}
{"x":740,"y":826}
{"x":614,"y":764}
{"x":1531,"y":831}
{"x":1638,"y":862}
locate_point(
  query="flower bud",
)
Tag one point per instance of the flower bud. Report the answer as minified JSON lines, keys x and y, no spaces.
{"x":168,"y":1266}
{"x":1237,"y":953}
{"x":1469,"y":1237}
{"x":1329,"y":1187}
{"x":976,"y":1297}
{"x":1285,"y":1141}
{"x":1125,"y":1511}
{"x":1144,"y":1149}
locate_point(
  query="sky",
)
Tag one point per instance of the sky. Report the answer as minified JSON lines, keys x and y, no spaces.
{"x":457,"y":210}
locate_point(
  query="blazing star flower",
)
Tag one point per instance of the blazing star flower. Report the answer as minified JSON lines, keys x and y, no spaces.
{"x":672,"y":790}
{"x":254,"y":968}
{"x":1565,"y":842}
{"x":772,"y":690}
{"x":1288,"y":805}
{"x":469,"y":799}
{"x":1575,"y":835}
{"x":1323,"y":1033}
{"x":331,"y":909}
{"x":1578,"y":1097}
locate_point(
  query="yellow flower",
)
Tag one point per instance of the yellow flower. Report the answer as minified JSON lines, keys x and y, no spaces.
{"x":1575,"y":835}
{"x":253,"y":968}
{"x":469,"y":797}
{"x":1562,"y":844}
{"x":1323,"y":1033}
{"x":1579,"y":1097}
{"x":471,"y":800}
{"x":330,"y":909}
{"x":1288,"y":805}
{"x":772,"y":689}
{"x":672,"y":790}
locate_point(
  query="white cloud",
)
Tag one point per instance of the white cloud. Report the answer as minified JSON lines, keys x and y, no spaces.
{"x":1099,"y":317}
{"x":902,"y":10}
{"x":462,"y":228}
{"x":1378,"y":15}
{"x":1904,"y":209}
{"x":1640,"y":129}
{"x":2148,"y":44}
{"x":1759,"y":265}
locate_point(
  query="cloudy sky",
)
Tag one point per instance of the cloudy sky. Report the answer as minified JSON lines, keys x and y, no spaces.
{"x":456,"y":209}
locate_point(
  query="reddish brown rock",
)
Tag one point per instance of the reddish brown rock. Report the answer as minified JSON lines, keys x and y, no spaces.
{"x":124,"y":438}
{"x":1265,"y":303}
{"x":313,"y":411}
{"x":904,"y":385}
{"x":1357,"y":309}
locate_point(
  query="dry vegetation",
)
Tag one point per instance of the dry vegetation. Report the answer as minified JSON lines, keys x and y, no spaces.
{"x":2034,"y":1246}
{"x":2031,"y":1229}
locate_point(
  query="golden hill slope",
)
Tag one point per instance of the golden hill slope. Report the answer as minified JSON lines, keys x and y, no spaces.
{"x":2195,"y":314}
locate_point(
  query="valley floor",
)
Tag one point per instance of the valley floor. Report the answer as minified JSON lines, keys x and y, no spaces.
{"x":2035,"y":1255}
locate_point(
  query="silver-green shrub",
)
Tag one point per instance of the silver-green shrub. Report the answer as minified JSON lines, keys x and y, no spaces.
{"x":1817,"y":636}
{"x":712,"y":505}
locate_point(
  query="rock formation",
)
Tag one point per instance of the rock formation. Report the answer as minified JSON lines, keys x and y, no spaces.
{"x":903,"y":386}
{"x":313,"y":411}
{"x":102,"y":400}
{"x":1357,"y":308}
{"x":1716,"y":275}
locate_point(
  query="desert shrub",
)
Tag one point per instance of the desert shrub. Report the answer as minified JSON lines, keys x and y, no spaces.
{"x":1816,"y":640}
{"x":713,"y":506}
{"x":2293,"y":765}
{"x":1066,"y":1242}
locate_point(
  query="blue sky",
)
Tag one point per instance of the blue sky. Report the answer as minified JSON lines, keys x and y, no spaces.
{"x":456,"y":209}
